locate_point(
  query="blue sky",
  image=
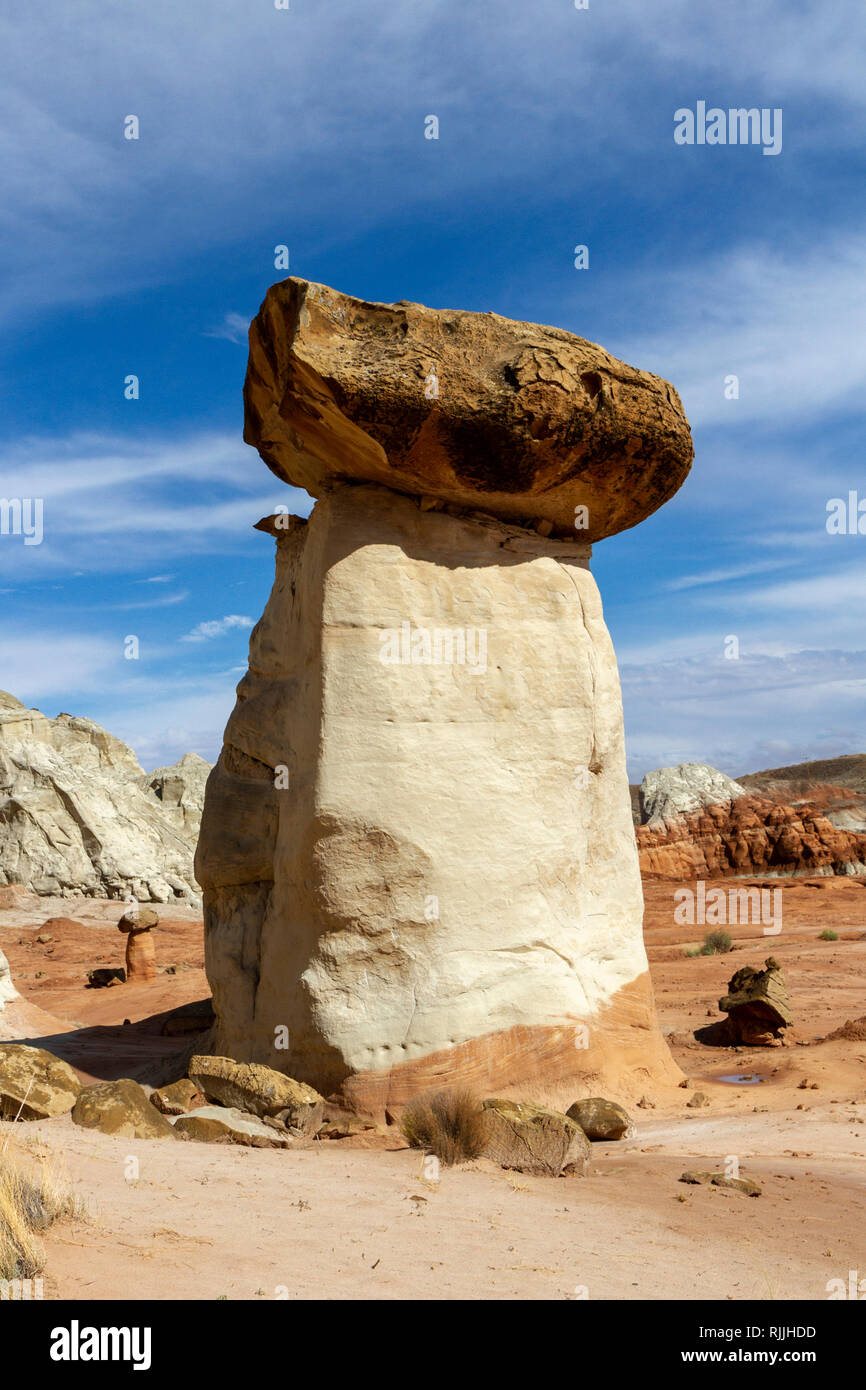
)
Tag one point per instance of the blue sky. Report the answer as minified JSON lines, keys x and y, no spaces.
{"x":306,"y":127}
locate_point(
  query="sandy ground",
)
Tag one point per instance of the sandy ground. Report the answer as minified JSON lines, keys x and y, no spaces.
{"x":340,"y":1221}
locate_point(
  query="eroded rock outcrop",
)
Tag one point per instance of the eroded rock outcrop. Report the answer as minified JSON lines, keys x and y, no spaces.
{"x":701,"y":824}
{"x":417,"y":853}
{"x":75,"y":818}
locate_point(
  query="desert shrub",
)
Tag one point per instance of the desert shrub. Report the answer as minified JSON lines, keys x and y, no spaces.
{"x":828,"y":935}
{"x":716,"y":943}
{"x":29,"y":1204}
{"x":448,"y":1124}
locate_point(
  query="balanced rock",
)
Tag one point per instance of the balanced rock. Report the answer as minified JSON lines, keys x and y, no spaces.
{"x":601,"y":1119}
{"x":34,"y":1084}
{"x":521,"y":421}
{"x":260,"y":1091}
{"x":120,"y":1107}
{"x":417,"y":852}
{"x":532,"y":1139}
{"x":138,"y":924}
{"x":212,"y":1124}
{"x":757,"y":1005}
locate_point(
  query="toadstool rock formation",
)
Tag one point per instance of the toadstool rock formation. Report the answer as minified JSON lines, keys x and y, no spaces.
{"x":416,"y":851}
{"x":138,"y":925}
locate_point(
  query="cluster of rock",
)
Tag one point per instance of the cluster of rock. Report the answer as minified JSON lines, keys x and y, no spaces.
{"x":416,"y":853}
{"x":220,"y":1101}
{"x":225,"y":1102}
{"x":80,"y":817}
{"x":698,"y":823}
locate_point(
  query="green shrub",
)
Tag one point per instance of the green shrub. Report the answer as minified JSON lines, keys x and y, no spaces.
{"x":828,"y":935}
{"x":716,"y":943}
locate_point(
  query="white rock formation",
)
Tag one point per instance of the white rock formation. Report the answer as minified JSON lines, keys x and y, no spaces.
{"x":424,"y":868}
{"x":74,"y":817}
{"x":180,"y":789}
{"x":669,"y":792}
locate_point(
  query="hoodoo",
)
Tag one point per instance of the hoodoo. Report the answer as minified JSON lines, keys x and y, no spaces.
{"x":419,"y":868}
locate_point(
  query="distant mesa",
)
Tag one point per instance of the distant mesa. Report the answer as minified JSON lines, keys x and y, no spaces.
{"x":695,"y":822}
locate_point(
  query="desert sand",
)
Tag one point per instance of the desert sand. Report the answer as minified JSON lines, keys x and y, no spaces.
{"x":357,"y":1218}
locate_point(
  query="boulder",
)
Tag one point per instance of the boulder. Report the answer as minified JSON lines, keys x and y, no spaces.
{"x":177,"y":1098}
{"x":34,"y":1084}
{"x":75,"y":821}
{"x":601,"y":1119}
{"x":525,"y":1136}
{"x":123,"y":1108}
{"x":757,"y":1005}
{"x":105,"y":975}
{"x":259,"y":1090}
{"x":745,"y":1185}
{"x":213,"y":1124}
{"x":523,"y":422}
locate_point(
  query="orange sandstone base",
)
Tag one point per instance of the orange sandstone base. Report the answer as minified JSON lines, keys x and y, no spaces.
{"x":619,"y":1054}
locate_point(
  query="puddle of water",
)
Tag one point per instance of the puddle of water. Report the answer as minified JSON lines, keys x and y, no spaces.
{"x":745,"y":1078}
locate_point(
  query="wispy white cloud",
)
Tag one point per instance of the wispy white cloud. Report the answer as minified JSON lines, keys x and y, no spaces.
{"x":234,"y":328}
{"x":724,"y":576}
{"x":758,"y":711}
{"x":789,"y":328}
{"x":194,"y":494}
{"x":344,"y":88}
{"x":216,"y":627}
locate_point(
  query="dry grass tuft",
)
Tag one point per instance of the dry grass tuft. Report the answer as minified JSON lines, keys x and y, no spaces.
{"x":448,"y":1124}
{"x":30,"y":1202}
